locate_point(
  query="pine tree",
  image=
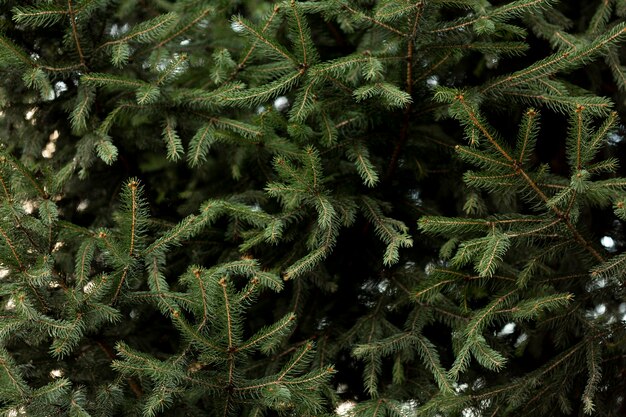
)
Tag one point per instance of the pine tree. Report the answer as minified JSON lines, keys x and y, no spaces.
{"x":404,"y":207}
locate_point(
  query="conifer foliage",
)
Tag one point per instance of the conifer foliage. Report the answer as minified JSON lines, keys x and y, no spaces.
{"x":244,"y":208}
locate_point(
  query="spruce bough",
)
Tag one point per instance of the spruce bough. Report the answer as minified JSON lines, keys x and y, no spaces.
{"x":276,"y":208}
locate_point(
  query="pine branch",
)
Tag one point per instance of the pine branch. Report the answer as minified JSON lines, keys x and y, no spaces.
{"x":68,"y":339}
{"x":11,"y":371}
{"x":558,"y":62}
{"x":259,"y":36}
{"x":80,"y":113}
{"x":244,"y":60}
{"x":107,"y":80}
{"x":183,"y":230}
{"x":147,"y":31}
{"x":527,"y":135}
{"x":122,"y":280}
{"x":506,"y":11}
{"x":40,"y":16}
{"x":593,"y":366}
{"x":391,"y":232}
{"x":486,"y":356}
{"x":83,"y":261}
{"x":598,"y":105}
{"x":360,"y":155}
{"x":200,"y":144}
{"x":431,"y":360}
{"x":264,"y":336}
{"x":392,"y":11}
{"x":496,"y":247}
{"x":15,"y":54}
{"x":231,"y":348}
{"x":203,"y":13}
{"x":304,"y":35}
{"x":303,"y":105}
{"x":133,"y":212}
{"x":172,"y":141}
{"x":24,"y":172}
{"x":12,"y":247}
{"x":521,"y":172}
{"x":309,"y":261}
{"x":197,"y":274}
{"x":376,"y":22}
{"x":258,"y":95}
{"x":170,"y":72}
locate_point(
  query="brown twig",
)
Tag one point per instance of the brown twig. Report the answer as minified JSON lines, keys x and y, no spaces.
{"x":75,"y":33}
{"x":406,"y":120}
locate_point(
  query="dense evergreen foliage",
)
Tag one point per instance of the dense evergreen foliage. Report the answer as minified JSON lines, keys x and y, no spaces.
{"x":245,"y":208}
